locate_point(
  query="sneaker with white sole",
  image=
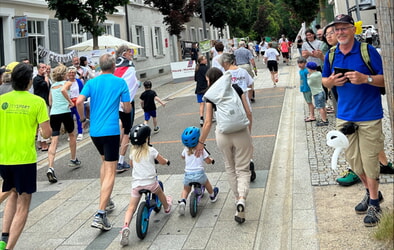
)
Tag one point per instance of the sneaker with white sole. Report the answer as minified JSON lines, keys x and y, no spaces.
{"x":240,"y":212}
{"x":373,"y":216}
{"x":74,"y":163}
{"x":182,"y":206}
{"x":124,"y":240}
{"x":100,"y":221}
{"x":156,"y":130}
{"x":110,"y":205}
{"x":362,"y":207}
{"x":51,"y":175}
{"x":80,"y":137}
{"x":122,"y":167}
{"x":215,"y":195}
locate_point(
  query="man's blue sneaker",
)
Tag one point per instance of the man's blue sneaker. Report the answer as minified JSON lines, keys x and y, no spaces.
{"x":100,"y":221}
{"x":122,"y":167}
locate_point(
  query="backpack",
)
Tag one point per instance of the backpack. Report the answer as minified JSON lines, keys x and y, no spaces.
{"x":230,"y":113}
{"x":365,"y":57}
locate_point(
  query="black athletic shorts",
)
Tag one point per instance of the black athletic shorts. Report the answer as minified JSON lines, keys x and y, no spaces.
{"x":21,"y":177}
{"x":108,"y":146}
{"x":127,"y":119}
{"x":272,"y":66}
{"x":57,"y":120}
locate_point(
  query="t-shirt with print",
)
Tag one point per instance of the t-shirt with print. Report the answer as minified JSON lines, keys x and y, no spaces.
{"x":105,"y":91}
{"x":271,"y":54}
{"x":241,"y":77}
{"x":20,"y":114}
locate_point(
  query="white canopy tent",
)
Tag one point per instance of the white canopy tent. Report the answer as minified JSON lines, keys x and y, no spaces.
{"x":104,"y":42}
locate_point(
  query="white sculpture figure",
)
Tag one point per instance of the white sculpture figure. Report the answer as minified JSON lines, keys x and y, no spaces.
{"x":339,"y":141}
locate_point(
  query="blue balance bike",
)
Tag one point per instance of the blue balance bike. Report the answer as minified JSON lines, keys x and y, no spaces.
{"x":195,"y":197}
{"x":151,"y":203}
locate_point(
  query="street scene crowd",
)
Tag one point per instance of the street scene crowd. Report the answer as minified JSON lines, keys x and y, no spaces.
{"x":334,"y":78}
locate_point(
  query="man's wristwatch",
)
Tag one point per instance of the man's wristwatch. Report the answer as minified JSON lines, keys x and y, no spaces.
{"x":370,"y":79}
{"x":84,"y":120}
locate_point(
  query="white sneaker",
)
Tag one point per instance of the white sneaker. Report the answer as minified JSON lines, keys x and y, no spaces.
{"x":79,"y":137}
{"x":124,"y":240}
{"x":181,"y":208}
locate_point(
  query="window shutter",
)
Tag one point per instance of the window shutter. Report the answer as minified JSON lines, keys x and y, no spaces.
{"x":146,"y":41}
{"x":54,"y":44}
{"x":154,"y":47}
{"x":133,"y":34}
{"x":67,"y":39}
{"x":117,"y":31}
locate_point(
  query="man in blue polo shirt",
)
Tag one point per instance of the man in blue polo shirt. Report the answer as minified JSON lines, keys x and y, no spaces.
{"x":359,"y":105}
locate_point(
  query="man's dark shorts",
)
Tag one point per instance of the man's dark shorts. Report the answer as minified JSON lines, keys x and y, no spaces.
{"x":108,"y":146}
{"x":21,"y":177}
{"x":125,"y":118}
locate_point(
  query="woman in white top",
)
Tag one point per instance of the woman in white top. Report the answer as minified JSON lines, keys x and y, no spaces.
{"x":76,"y":87}
{"x":271,"y":58}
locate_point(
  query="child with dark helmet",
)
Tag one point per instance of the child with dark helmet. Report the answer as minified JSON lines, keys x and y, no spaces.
{"x":142,"y":160}
{"x":194,"y":167}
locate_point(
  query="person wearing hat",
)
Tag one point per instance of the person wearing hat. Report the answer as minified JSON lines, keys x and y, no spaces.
{"x":359,"y":101}
{"x":6,"y":78}
{"x":319,"y":96}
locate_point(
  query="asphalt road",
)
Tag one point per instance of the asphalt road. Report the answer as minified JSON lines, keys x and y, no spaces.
{"x":180,"y":112}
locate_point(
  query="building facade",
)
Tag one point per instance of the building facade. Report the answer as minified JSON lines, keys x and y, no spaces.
{"x":27,"y":27}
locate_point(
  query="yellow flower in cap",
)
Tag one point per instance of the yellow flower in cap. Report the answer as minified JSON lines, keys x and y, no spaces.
{"x":359,"y":28}
{"x":10,"y":67}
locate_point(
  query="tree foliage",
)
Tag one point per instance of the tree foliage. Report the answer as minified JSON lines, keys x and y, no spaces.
{"x":89,"y":13}
{"x":176,"y":13}
{"x":302,"y":10}
{"x":217,"y":12}
{"x":267,"y":21}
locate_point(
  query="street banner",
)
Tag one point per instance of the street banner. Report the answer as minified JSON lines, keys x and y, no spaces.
{"x":184,"y":69}
{"x":55,"y":57}
{"x":204,"y":46}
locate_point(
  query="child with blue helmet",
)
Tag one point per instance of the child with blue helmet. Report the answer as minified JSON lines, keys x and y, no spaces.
{"x":194,"y":167}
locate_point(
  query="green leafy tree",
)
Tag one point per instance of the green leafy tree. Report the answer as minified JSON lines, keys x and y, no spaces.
{"x":268,"y":20}
{"x":217,"y":12}
{"x":303,"y":10}
{"x":176,"y":13}
{"x":89,"y":13}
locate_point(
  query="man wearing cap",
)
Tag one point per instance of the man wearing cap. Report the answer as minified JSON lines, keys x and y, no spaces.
{"x":359,"y":101}
{"x":23,"y":112}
